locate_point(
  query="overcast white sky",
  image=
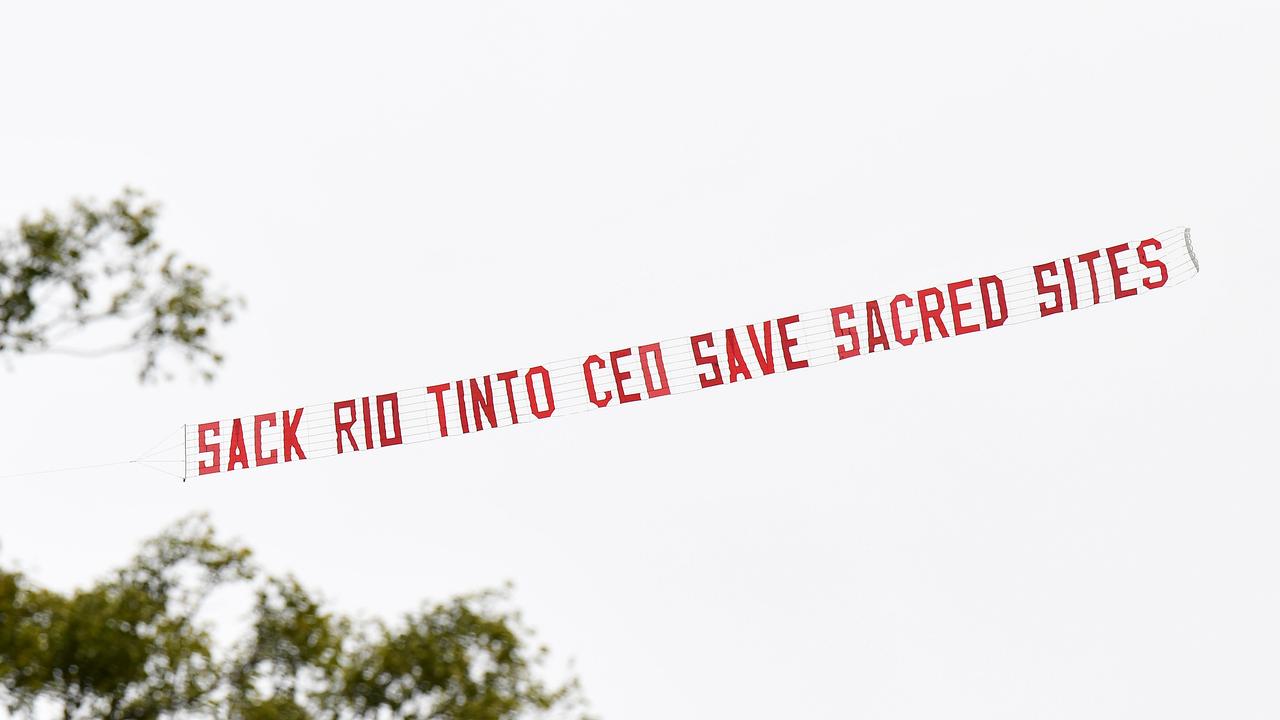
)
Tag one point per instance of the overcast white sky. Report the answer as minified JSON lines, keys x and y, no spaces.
{"x":1071,"y":518}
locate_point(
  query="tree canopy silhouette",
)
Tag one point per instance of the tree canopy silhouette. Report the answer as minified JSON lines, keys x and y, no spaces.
{"x":98,"y":263}
{"x":133,"y":645}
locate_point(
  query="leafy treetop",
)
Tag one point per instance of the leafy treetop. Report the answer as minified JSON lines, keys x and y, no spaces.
{"x":133,"y":646}
{"x":101,"y":262}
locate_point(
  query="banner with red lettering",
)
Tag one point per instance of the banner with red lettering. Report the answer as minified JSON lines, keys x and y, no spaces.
{"x":654,"y":369}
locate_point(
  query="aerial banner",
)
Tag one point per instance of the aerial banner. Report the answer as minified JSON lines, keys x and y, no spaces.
{"x":449,"y":407}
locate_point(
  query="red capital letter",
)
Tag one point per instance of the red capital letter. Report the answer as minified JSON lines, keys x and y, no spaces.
{"x":258,"y":458}
{"x":654,"y":351}
{"x":876,"y":335}
{"x":984,"y":285}
{"x":764,"y":352}
{"x":935,"y":314}
{"x":957,"y":307}
{"x":788,"y":343}
{"x":1150,"y":264}
{"x":905,"y":301}
{"x":698,"y":358}
{"x":236,"y":451}
{"x":620,"y":375}
{"x":1118,"y":272}
{"x":201,"y":432}
{"x":733,"y":355}
{"x":482,"y":402}
{"x":506,"y":379}
{"x":385,"y":440}
{"x":842,"y":352}
{"x":291,"y":435}
{"x":538,"y":412}
{"x":439,"y":391}
{"x":600,"y":401}
{"x":340,"y":426}
{"x":1088,"y":258}
{"x":1052,"y":269}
